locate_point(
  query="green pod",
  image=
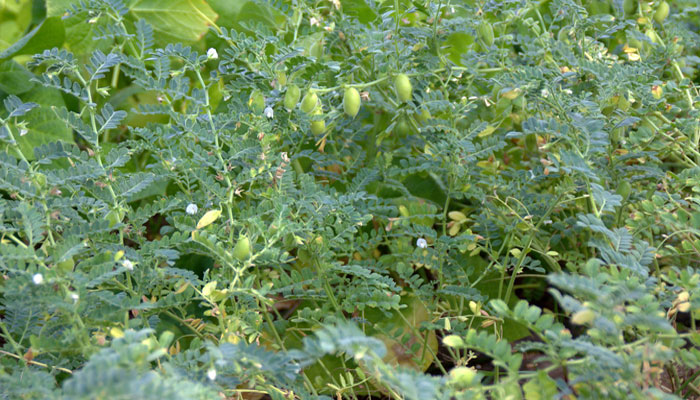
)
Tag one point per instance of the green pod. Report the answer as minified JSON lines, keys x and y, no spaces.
{"x":114,"y":217}
{"x":563,"y":35}
{"x":423,"y":116}
{"x":404,"y":89}
{"x":403,"y":128}
{"x":351,"y":102}
{"x":242,"y":249}
{"x":281,"y":78}
{"x":256,"y":102}
{"x":318,"y":126}
{"x":66,"y":265}
{"x":622,"y":103}
{"x":309,"y":102}
{"x":291,"y":97}
{"x":624,"y":189}
{"x":651,"y":34}
{"x":316,"y":49}
{"x":485,"y":32}
{"x":661,"y":12}
{"x":40,"y":180}
{"x":520,"y":102}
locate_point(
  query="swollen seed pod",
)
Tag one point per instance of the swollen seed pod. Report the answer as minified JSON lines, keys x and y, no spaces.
{"x":423,"y":116}
{"x":403,"y":128}
{"x":624,"y":189}
{"x":39,"y":180}
{"x":256,"y":102}
{"x":582,"y":317}
{"x":485,"y":32}
{"x":662,"y":12}
{"x":291,"y":97}
{"x":318,"y":127}
{"x":281,"y":78}
{"x":463,"y":376}
{"x":66,"y":265}
{"x":520,"y":102}
{"x":309,"y":102}
{"x":351,"y":102}
{"x":563,"y":35}
{"x":242,"y":249}
{"x":114,"y":217}
{"x":651,"y":34}
{"x":404,"y":89}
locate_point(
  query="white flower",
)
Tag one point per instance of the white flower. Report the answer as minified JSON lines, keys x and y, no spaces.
{"x":422,"y":243}
{"x":544,"y":93}
{"x":212,"y":54}
{"x":191,"y":209}
{"x":74,"y":296}
{"x":211,"y":374}
{"x":38,"y":279}
{"x":269,"y":113}
{"x":128,"y":265}
{"x":313,"y":21}
{"x":23,"y":132}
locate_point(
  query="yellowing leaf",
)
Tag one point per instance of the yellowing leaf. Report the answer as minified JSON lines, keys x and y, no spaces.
{"x":489,"y":130}
{"x":510,"y":94}
{"x":208,"y":218}
{"x":206,"y":290}
{"x":485,"y":164}
{"x":182,"y":288}
{"x":175,"y":20}
{"x":453,"y":341}
{"x":457,"y":216}
{"x":582,"y":317}
{"x":116,"y":333}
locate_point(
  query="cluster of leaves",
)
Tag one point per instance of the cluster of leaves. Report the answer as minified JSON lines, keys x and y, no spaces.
{"x":511,"y":212}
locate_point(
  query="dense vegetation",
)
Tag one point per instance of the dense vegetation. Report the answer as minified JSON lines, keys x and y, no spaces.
{"x":299,"y":199}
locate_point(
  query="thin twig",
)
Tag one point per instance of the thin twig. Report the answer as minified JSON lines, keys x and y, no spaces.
{"x":37,"y":363}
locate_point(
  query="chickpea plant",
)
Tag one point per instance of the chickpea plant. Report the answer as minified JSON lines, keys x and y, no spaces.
{"x":326,"y":199}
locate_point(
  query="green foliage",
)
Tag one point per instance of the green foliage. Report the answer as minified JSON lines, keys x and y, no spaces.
{"x":472,"y":199}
